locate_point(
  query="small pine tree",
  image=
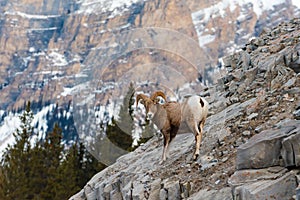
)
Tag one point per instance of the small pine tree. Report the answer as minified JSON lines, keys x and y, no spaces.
{"x":16,"y":161}
{"x":119,"y":131}
{"x":68,"y":175}
{"x":53,"y":148}
{"x":45,"y":170}
{"x":75,"y":170}
{"x":147,"y":133}
{"x":118,"y":137}
{"x":2,"y":194}
{"x":38,"y":176}
{"x":125,"y":116}
{"x":89,"y":165}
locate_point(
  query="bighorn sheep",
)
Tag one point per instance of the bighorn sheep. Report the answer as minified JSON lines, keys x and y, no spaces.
{"x":172,"y":116}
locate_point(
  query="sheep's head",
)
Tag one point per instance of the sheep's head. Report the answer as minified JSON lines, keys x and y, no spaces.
{"x":150,"y":103}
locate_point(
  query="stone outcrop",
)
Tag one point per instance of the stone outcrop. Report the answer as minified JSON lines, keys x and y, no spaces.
{"x":250,"y":148}
{"x":263,"y":184}
{"x":271,"y":147}
{"x":53,"y":52}
{"x":51,"y":41}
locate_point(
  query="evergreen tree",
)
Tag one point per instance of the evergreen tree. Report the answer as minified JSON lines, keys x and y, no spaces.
{"x":68,"y":175}
{"x":118,"y":137}
{"x":16,"y":161}
{"x":2,"y":195}
{"x":125,"y":116}
{"x":119,"y":131}
{"x":74,"y":172}
{"x":148,"y":132}
{"x":45,"y":170}
{"x":38,"y":176}
{"x":53,"y":149}
{"x":89,"y":165}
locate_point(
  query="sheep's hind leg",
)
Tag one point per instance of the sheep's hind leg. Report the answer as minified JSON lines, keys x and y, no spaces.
{"x":198,"y":138}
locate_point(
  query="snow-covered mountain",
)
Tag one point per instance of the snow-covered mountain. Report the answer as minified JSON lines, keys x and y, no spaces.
{"x":75,"y":59}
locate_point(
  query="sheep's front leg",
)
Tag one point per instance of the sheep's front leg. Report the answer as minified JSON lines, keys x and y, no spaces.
{"x":166,"y":146}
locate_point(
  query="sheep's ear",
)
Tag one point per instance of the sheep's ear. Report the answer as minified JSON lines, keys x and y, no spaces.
{"x":158,"y":94}
{"x":162,"y":101}
{"x":159,"y":100}
{"x":141,"y":99}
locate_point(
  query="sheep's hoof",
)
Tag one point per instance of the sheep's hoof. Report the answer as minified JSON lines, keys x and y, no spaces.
{"x":195,"y":156}
{"x":161,"y":162}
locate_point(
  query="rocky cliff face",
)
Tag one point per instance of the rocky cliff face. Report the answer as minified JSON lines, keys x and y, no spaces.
{"x":251,"y":143}
{"x":66,"y":55}
{"x":52,"y":51}
{"x":46,"y":46}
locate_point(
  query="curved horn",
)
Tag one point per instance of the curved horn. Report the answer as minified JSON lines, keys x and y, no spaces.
{"x":156,"y":94}
{"x":139,"y":97}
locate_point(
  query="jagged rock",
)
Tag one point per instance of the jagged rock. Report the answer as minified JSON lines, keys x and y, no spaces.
{"x":246,"y":133}
{"x":238,"y":74}
{"x":276,"y":48}
{"x":214,"y":130}
{"x":297,"y":114}
{"x":242,"y":177}
{"x":228,"y":60}
{"x":259,"y":41}
{"x":265,"y":30}
{"x":224,"y":194}
{"x":226,"y":79}
{"x":290,"y":83}
{"x":244,"y":60}
{"x":253,"y":115}
{"x":155,"y":189}
{"x":170,"y":190}
{"x":234,"y":117}
{"x":263,"y":149}
{"x":291,"y":150}
{"x":185,"y":190}
{"x":263,"y":184}
{"x":138,"y":191}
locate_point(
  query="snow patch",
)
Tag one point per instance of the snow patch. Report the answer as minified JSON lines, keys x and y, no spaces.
{"x":116,"y":7}
{"x":12,"y":122}
{"x":9,"y":125}
{"x":206,"y":39}
{"x":296,"y":3}
{"x":43,"y":29}
{"x":29,"y":16}
{"x":201,"y":18}
{"x":31,"y":49}
{"x":57,"y":59}
{"x":74,"y":90}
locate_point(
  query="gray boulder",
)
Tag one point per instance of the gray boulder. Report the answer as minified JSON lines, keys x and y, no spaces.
{"x":274,"y":183}
{"x":291,"y":150}
{"x":224,"y":194}
{"x":265,"y":149}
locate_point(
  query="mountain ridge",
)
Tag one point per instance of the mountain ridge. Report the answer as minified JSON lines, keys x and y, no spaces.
{"x":251,"y":137}
{"x":52,"y":54}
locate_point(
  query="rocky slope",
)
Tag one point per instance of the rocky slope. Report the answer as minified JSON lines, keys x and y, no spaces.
{"x":65,"y":55}
{"x":251,"y":146}
{"x":46,"y":46}
{"x":50,"y":50}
